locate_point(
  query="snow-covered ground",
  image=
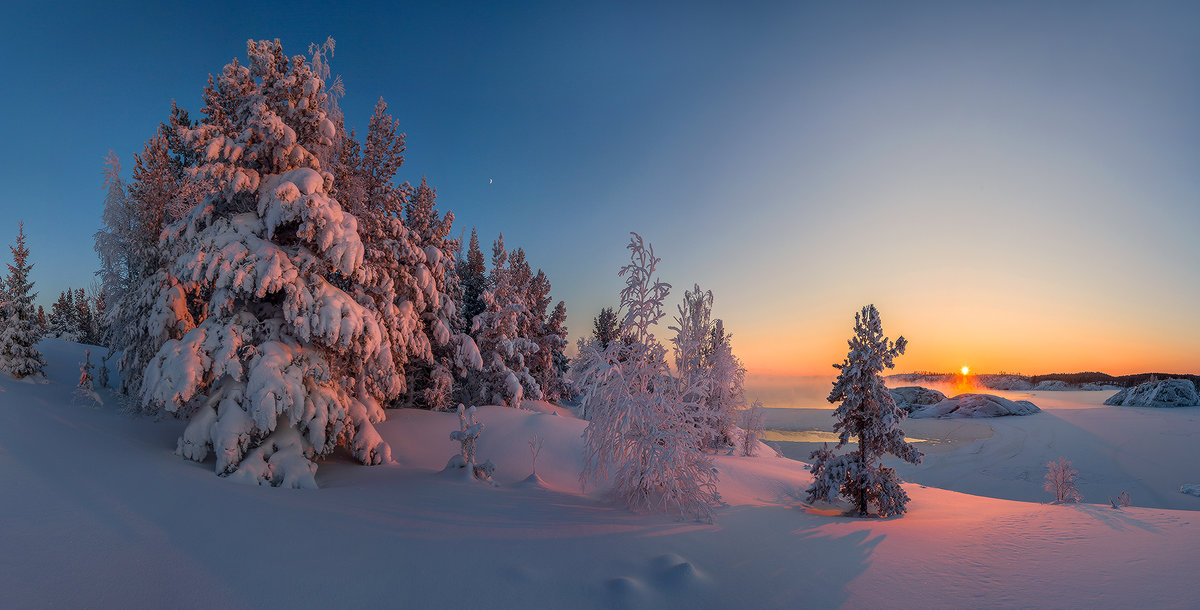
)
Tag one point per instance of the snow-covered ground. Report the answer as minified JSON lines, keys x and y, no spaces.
{"x":98,"y":512}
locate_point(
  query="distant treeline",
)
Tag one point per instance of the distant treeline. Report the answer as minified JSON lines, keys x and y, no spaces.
{"x":1104,"y":378}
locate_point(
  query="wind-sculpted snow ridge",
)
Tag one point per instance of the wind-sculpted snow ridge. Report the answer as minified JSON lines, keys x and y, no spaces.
{"x":1160,"y":394}
{"x":912,"y":397}
{"x":975,"y":405}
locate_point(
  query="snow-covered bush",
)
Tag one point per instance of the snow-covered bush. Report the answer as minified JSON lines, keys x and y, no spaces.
{"x":1060,"y":481}
{"x":19,"y":329}
{"x":750,"y":420}
{"x":1122,"y":500}
{"x":85,"y":390}
{"x":868,"y":414}
{"x":468,"y":434}
{"x":642,"y":434}
{"x":273,"y":350}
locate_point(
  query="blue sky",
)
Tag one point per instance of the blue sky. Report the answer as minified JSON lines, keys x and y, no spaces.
{"x":1014,"y":184}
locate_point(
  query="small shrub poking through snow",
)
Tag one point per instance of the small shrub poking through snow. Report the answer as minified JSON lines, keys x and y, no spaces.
{"x":1060,"y":481}
{"x":1121,"y":501}
{"x":535,"y":448}
{"x":468,"y":433}
{"x":85,"y":392}
{"x":751,"y":421}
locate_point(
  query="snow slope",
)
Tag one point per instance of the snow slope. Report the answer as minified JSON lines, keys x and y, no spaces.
{"x":100,"y":513}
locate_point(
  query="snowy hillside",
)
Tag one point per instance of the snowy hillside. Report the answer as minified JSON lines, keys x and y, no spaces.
{"x":99,"y":512}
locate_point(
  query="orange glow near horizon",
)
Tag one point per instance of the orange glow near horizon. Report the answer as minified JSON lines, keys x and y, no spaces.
{"x":966,"y":370}
{"x":993,"y":341}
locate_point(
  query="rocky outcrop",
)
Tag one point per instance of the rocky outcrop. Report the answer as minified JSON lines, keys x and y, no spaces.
{"x":975,"y":405}
{"x":911,"y":397}
{"x":1160,"y":394}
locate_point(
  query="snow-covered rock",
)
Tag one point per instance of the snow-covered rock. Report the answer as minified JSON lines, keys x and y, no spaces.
{"x":1053,"y":384}
{"x":911,"y":397}
{"x":1005,"y":382}
{"x":976,"y":405}
{"x":1164,"y":393}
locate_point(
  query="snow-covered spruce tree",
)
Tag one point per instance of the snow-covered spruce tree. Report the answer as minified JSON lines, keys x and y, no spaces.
{"x":468,"y":434}
{"x":277,"y":344}
{"x":868,"y":414}
{"x":364,"y":183}
{"x":473,"y":281}
{"x":504,"y":378}
{"x":641,"y":435}
{"x":449,"y":352}
{"x":19,"y":330}
{"x":606,"y":328}
{"x":63,"y":322}
{"x":88,"y":328}
{"x":548,"y":364}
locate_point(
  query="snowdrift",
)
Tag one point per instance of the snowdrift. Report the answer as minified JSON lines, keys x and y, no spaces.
{"x":99,"y":512}
{"x":1160,"y":394}
{"x":975,"y":405}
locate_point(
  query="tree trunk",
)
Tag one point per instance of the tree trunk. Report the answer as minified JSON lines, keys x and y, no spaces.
{"x":862,"y":490}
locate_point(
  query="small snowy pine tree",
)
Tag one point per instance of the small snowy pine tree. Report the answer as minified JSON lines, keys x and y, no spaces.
{"x":19,"y":330}
{"x":868,"y":414}
{"x":467,"y":434}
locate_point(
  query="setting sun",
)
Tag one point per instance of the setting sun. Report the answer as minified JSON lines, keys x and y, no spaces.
{"x":966,"y":371}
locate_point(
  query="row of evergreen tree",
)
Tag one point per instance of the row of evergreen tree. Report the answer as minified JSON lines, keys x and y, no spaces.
{"x":266,"y":277}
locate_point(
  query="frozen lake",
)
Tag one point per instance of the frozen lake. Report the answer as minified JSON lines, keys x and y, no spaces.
{"x":1147,"y":452}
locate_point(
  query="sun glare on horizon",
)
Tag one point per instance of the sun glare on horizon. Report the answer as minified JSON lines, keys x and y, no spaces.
{"x":966,"y":371}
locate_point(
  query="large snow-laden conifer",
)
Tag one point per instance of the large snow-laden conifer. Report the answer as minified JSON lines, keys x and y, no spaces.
{"x":19,"y":329}
{"x":641,"y":435}
{"x":869,"y":415}
{"x":271,"y":343}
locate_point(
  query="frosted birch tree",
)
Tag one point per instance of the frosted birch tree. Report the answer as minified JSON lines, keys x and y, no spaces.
{"x":641,"y":436}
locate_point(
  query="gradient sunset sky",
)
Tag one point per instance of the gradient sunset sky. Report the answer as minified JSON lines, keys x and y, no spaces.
{"x":1015,"y":185}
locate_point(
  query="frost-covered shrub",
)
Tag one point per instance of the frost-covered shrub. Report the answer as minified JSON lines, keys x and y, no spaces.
{"x":536,"y":442}
{"x":868,"y":414}
{"x":1122,"y":500}
{"x":272,"y":349}
{"x":467,"y":434}
{"x":1060,"y":481}
{"x":751,"y":422}
{"x":643,"y":435}
{"x":19,"y":329}
{"x":85,"y":390}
